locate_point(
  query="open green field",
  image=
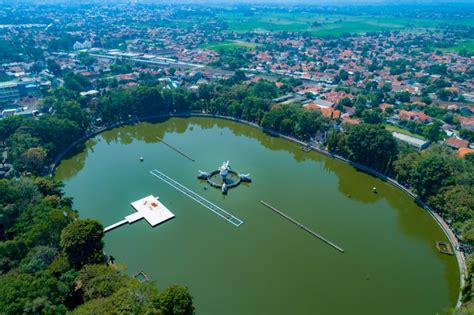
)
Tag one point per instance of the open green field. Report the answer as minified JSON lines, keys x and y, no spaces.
{"x":229,"y":45}
{"x":326,"y":25}
{"x":393,"y":128}
{"x":468,"y":46}
{"x":273,"y":22}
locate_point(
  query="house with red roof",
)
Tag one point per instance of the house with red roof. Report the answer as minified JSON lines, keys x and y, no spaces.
{"x":415,"y":116}
{"x":463,"y":151}
{"x":350,"y":121}
{"x":456,"y":143}
{"x":467,"y":122}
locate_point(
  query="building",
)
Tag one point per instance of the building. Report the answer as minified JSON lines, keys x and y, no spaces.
{"x":467,"y":122}
{"x":12,"y":90}
{"x":79,"y":46}
{"x":456,"y":143}
{"x":416,"y":142}
{"x":415,"y":116}
{"x":9,"y":91}
{"x":463,"y":151}
{"x":321,"y":103}
{"x":8,"y":112}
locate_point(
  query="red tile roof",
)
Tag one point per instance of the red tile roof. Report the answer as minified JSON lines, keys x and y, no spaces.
{"x":463,"y":151}
{"x":416,"y":116}
{"x":456,"y":143}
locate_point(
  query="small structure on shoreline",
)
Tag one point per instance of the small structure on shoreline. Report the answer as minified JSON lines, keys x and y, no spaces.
{"x":444,"y":248}
{"x":224,"y":177}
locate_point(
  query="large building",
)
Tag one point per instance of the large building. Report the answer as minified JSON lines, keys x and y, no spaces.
{"x":12,"y":90}
{"x":9,"y":91}
{"x":416,"y":142}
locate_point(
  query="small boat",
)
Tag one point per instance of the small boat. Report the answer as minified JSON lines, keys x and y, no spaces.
{"x":141,"y":158}
{"x":374,"y":190}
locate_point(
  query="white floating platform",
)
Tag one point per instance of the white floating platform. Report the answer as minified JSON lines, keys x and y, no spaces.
{"x":148,"y":208}
{"x":151,"y":210}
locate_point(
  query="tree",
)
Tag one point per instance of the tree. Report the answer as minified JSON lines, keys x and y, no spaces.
{"x":467,"y":232}
{"x":53,"y":67}
{"x":99,"y":281}
{"x":467,"y":134}
{"x":456,"y":201}
{"x":371,"y":145}
{"x":445,"y":94}
{"x":72,"y":111}
{"x":372,"y":117}
{"x":39,"y":258}
{"x":20,"y":142}
{"x":132,"y":297}
{"x":34,"y":160}
{"x":9,"y":125}
{"x":176,"y":300}
{"x":82,"y":242}
{"x":345,"y":102}
{"x":404,"y":167}
{"x":32,"y":294}
{"x":433,"y":131}
{"x":403,"y":97}
{"x":432,"y":173}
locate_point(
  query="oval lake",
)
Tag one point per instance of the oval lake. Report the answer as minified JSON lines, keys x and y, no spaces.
{"x":267,"y":265}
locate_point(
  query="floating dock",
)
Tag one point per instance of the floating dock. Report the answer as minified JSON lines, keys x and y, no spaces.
{"x":148,"y":208}
{"x":175,"y":149}
{"x":202,"y":201}
{"x":302,"y":226}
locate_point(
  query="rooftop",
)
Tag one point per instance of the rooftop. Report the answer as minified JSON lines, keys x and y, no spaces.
{"x":410,"y":140}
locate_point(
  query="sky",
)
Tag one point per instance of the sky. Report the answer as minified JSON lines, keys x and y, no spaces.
{"x":309,"y":2}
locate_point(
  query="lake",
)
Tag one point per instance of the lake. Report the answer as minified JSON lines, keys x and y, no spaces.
{"x":267,"y":265}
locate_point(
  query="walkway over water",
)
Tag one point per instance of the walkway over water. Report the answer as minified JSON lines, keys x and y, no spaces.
{"x":302,"y":226}
{"x":191,"y":194}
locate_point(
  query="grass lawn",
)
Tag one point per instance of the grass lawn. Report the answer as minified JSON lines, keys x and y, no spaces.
{"x":393,"y":128}
{"x":229,"y":45}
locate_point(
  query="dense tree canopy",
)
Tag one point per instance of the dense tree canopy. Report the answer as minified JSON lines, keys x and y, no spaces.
{"x":82,"y":242}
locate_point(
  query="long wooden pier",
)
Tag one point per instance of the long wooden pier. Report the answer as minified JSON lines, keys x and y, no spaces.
{"x":302,"y":226}
{"x":175,"y":149}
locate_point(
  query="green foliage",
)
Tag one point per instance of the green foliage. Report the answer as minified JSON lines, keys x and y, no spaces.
{"x":467,"y":134}
{"x":403,"y":97}
{"x":82,"y":242}
{"x":132,"y":297}
{"x":404,"y":167}
{"x":33,"y":160}
{"x":39,"y":258}
{"x":32,"y":294}
{"x":295,"y":121}
{"x":76,"y":82}
{"x":99,"y":281}
{"x":431,"y":174}
{"x":433,"y":131}
{"x":9,"y":125}
{"x":371,"y":145}
{"x":176,"y":300}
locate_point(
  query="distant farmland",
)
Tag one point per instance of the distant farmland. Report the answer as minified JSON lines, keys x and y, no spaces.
{"x":327,"y":25}
{"x":467,"y":46}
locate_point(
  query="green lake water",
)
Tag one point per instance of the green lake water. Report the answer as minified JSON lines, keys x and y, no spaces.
{"x":267,"y":265}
